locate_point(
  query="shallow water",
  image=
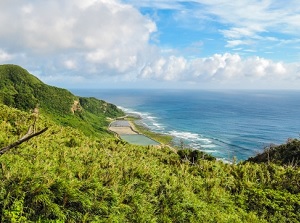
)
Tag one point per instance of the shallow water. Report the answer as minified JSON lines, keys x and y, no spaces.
{"x":223,"y":123}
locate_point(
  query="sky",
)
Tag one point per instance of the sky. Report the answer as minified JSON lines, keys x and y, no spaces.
{"x":188,"y":44}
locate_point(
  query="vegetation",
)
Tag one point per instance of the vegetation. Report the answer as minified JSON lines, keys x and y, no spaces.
{"x":162,"y":138}
{"x":21,"y":90}
{"x":65,"y":175}
{"x":286,"y":154}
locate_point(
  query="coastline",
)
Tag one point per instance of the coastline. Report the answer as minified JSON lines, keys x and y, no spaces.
{"x":223,"y":124}
{"x":125,"y":129}
{"x":126,"y":126}
{"x":164,"y":139}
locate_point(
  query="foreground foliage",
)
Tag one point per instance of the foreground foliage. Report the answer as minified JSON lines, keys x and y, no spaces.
{"x":66,"y":176}
{"x":285,"y":154}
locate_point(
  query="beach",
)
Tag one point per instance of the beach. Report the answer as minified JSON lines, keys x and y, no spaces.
{"x":122,"y":127}
{"x":125,"y":130}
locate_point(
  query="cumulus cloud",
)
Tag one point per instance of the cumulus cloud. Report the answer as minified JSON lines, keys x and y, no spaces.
{"x":170,"y":68}
{"x":77,"y":40}
{"x":219,"y":67}
{"x":97,"y":32}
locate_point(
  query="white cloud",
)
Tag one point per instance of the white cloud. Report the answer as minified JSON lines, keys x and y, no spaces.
{"x":244,"y":18}
{"x":98,"y":33}
{"x":219,"y":67}
{"x":235,"y":43}
{"x":157,"y":4}
{"x":70,"y":64}
{"x":168,"y":69}
{"x":4,"y":56}
{"x":97,"y":39}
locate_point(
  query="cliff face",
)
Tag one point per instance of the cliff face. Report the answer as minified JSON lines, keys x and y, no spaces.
{"x":20,"y":89}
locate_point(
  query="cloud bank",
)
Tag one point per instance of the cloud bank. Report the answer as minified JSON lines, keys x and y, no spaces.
{"x":75,"y":40}
{"x":103,"y":34}
{"x":218,"y":67}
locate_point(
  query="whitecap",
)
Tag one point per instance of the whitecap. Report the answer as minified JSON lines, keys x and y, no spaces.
{"x":184,"y":135}
{"x":210,"y":151}
{"x":158,"y":126}
{"x":208,"y":146}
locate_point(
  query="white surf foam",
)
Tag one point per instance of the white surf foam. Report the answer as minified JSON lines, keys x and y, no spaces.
{"x":191,"y":140}
{"x":209,"y":146}
{"x":185,"y":135}
{"x":148,"y":119}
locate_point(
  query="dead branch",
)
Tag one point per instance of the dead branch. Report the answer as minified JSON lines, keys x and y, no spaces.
{"x":25,"y":138}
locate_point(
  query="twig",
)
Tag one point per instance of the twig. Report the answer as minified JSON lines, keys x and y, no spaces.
{"x":21,"y":140}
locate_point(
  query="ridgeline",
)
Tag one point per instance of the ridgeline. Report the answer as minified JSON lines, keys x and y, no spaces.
{"x":76,"y":171}
{"x":21,"y":90}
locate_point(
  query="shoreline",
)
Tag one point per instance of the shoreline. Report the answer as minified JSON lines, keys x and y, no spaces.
{"x":126,"y":130}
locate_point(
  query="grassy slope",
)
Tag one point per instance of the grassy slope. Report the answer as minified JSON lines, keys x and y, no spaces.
{"x":285,"y":154}
{"x":22,"y":90}
{"x":65,"y":175}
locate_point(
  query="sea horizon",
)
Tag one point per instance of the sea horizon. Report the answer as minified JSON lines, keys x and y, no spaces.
{"x":223,"y":123}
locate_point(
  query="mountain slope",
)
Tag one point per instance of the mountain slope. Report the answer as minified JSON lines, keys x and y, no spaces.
{"x":66,"y":176}
{"x":285,"y":154}
{"x":21,"y":90}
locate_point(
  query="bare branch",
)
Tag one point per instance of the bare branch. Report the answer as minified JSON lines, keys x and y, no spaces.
{"x":21,"y":140}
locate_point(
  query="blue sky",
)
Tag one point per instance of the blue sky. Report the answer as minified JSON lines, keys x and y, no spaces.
{"x":191,"y":24}
{"x":199,"y":44}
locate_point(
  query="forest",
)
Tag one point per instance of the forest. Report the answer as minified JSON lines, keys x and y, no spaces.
{"x":77,"y":171}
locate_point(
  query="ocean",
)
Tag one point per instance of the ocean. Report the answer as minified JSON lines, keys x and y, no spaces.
{"x":224,"y":123}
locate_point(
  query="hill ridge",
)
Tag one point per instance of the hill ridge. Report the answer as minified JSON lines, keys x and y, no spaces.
{"x":22,"y":90}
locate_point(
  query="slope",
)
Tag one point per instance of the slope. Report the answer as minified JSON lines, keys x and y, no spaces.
{"x":285,"y":154}
{"x":21,"y":90}
{"x":65,"y":176}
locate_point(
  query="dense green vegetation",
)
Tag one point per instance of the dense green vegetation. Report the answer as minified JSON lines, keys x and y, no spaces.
{"x":21,"y":90}
{"x":65,"y":175}
{"x":286,"y":154}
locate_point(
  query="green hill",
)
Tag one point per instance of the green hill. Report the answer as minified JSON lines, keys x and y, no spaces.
{"x":285,"y":154}
{"x":68,"y":175}
{"x":21,"y":90}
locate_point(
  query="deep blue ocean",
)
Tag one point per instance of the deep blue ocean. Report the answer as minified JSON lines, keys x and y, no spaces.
{"x":226,"y":124}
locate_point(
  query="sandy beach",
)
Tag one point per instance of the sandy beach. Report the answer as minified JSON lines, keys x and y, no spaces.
{"x":122,"y":128}
{"x":126,"y":131}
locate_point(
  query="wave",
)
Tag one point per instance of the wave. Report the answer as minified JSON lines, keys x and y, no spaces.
{"x":190,"y":139}
{"x":184,"y":135}
{"x":148,"y":120}
{"x":209,"y":146}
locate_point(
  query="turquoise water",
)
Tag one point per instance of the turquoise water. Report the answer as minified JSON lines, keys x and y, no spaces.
{"x":223,"y":123}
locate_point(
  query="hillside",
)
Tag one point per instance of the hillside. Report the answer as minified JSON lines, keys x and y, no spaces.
{"x":68,"y":175}
{"x":285,"y":154}
{"x":21,"y":90}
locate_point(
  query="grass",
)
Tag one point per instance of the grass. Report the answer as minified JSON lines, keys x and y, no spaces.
{"x":67,"y":176}
{"x":159,"y":137}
